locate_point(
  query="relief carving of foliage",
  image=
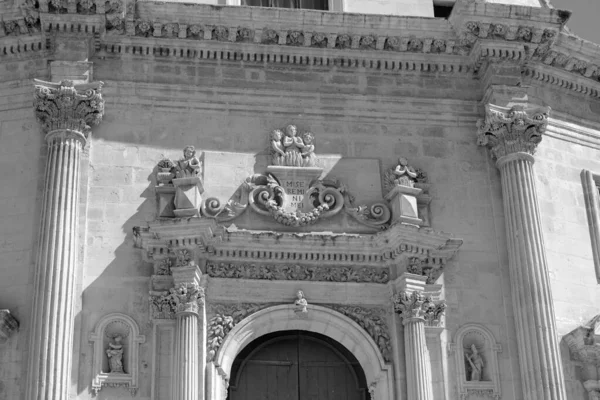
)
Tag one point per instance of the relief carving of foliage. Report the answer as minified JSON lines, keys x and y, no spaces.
{"x":373,"y":321}
{"x":298,"y":272}
{"x":224,"y":319}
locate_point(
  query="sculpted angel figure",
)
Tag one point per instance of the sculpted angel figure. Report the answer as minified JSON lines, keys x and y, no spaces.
{"x":476,"y":363}
{"x":301,"y":303}
{"x":189,"y":165}
{"x":293,"y":147}
{"x":405,"y":174}
{"x":308,"y":153}
{"x":277,"y":152}
{"x":115,"y":355}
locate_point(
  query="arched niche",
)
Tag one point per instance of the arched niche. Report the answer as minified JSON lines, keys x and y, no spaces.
{"x":488,"y":381}
{"x":116,"y":338}
{"x":318,"y":319}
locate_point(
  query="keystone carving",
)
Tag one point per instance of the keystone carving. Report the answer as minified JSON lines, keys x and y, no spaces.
{"x":415,"y":307}
{"x":66,"y":106}
{"x":510,"y":130}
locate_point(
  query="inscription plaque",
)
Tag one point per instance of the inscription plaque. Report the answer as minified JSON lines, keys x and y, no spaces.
{"x":295,"y":181}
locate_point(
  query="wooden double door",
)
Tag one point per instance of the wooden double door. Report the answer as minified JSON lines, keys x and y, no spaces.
{"x":296,"y":365}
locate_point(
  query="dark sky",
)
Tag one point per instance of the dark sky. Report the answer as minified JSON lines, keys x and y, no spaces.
{"x":585,"y":17}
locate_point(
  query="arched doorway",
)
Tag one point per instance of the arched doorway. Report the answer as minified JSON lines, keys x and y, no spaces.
{"x":296,"y":365}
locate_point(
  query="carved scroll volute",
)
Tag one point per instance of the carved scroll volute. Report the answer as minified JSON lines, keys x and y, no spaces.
{"x":64,"y":106}
{"x":511,"y":130}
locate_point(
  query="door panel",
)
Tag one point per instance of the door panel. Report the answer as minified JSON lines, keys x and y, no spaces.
{"x":296,"y":366}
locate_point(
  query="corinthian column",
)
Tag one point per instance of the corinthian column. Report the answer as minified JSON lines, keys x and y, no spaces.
{"x":189,"y":299}
{"x":512,"y":136}
{"x":415,"y":309}
{"x":66,"y":113}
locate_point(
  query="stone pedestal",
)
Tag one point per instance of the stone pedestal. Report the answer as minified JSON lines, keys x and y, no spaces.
{"x":187,"y":383}
{"x":187,"y":196}
{"x":403,"y":200}
{"x":512,"y":136}
{"x":64,"y":112}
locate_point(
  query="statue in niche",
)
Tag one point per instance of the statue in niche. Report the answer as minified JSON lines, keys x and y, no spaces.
{"x":288,"y":149}
{"x":475,"y":364}
{"x":189,"y":165}
{"x":115,"y":355}
{"x":301,"y":303}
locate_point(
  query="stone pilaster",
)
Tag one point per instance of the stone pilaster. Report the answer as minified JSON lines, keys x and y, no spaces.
{"x":66,"y":113}
{"x":415,"y":309}
{"x":512,"y":134}
{"x":189,"y":299}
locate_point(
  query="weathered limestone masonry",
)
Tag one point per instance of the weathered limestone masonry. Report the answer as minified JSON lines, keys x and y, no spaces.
{"x":326,"y":153}
{"x":512,"y":134}
{"x":66,"y":114}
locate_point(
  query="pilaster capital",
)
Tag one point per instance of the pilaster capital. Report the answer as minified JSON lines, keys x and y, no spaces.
{"x":517,"y":129}
{"x":187,"y":298}
{"x":66,"y":107}
{"x":415,"y":307}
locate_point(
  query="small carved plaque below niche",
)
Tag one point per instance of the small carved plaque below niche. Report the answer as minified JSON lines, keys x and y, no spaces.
{"x":298,"y":272}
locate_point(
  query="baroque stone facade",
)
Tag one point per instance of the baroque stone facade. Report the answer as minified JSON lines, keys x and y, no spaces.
{"x":197,"y":181}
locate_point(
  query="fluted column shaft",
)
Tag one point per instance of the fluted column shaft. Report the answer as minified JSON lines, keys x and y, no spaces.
{"x":418,"y":366}
{"x":185,"y":383}
{"x":51,"y":338}
{"x":539,"y":354}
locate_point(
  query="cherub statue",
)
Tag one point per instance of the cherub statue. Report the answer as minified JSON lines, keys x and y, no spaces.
{"x":293,"y":147}
{"x":189,"y":165}
{"x":115,"y":355}
{"x":476,"y":364}
{"x":405,"y":174}
{"x":308,"y":153}
{"x":277,"y":152}
{"x":301,"y":303}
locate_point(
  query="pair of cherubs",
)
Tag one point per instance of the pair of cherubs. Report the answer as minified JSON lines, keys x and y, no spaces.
{"x":290,"y":150}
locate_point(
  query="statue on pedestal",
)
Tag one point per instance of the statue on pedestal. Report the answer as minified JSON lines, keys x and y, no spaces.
{"x":475,"y":362}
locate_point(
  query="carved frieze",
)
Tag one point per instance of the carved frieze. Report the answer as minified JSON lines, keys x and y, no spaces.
{"x":225,"y":317}
{"x":373,"y":321}
{"x":510,"y":130}
{"x":66,"y":106}
{"x":297,"y":272}
{"x":422,"y":267}
{"x":416,"y":306}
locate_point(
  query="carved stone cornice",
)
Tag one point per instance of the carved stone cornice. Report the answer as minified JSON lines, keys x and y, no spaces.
{"x":417,"y":307}
{"x":512,"y":130}
{"x":64,"y":106}
{"x":8,"y":325}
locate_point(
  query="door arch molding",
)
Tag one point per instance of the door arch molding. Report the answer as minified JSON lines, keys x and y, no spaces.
{"x":319,"y":319}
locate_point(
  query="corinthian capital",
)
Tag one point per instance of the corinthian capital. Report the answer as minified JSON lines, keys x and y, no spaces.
{"x":64,"y":106}
{"x":415,"y":307}
{"x":511,"y":130}
{"x":187,"y":297}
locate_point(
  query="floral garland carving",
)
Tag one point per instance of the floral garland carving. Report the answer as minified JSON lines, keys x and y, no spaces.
{"x":373,"y":321}
{"x":298,"y":272}
{"x":226,"y":316}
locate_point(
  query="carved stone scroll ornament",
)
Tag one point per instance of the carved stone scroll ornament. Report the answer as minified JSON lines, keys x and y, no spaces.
{"x":325,"y":198}
{"x":416,"y":306}
{"x":64,"y":106}
{"x":510,"y":130}
{"x":224,"y":319}
{"x":185,"y":297}
{"x":298,"y":272}
{"x":373,"y":321}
